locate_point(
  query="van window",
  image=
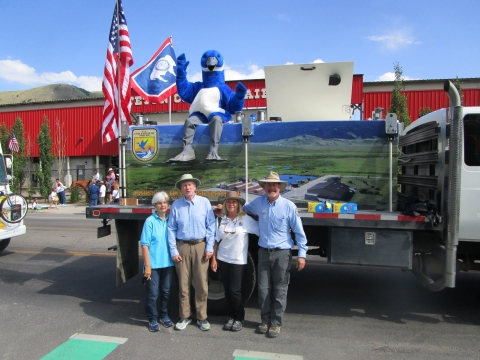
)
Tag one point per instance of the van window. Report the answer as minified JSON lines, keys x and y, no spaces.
{"x":471,"y":140}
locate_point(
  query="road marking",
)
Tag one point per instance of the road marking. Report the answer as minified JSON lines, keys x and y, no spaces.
{"x":85,"y":347}
{"x":66,"y":253}
{"x":257,"y":355}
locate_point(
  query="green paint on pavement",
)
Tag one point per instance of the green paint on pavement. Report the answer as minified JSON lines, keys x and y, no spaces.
{"x":75,"y":349}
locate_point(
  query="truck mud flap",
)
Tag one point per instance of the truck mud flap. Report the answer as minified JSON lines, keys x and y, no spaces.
{"x":128,"y":236}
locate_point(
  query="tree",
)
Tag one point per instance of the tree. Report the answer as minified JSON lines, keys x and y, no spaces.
{"x":44,"y":169}
{"x":4,"y":137}
{"x":19,"y":159}
{"x":424,"y":111}
{"x":60,"y":145}
{"x":458,"y":85}
{"x":399,"y":100}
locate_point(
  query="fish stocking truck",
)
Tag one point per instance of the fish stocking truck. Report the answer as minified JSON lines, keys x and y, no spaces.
{"x":13,"y":207}
{"x":368,"y":192}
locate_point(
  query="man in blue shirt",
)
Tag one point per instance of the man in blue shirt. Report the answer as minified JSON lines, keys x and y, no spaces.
{"x":278,"y":219}
{"x":191,"y":236}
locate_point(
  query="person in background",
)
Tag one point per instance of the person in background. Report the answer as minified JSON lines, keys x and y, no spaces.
{"x":191,"y":235}
{"x":158,"y":270}
{"x":230,"y":256}
{"x":103,"y":191}
{"x":93,"y":193}
{"x":96,"y":176}
{"x":278,"y":220}
{"x":34,"y":204}
{"x":52,"y":198}
{"x":110,"y":179}
{"x":60,"y":188}
{"x":116,"y":194}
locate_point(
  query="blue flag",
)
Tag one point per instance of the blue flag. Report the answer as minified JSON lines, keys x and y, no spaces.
{"x":156,"y":80}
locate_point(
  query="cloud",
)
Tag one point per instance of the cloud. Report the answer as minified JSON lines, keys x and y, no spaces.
{"x":395,"y":40}
{"x":15,"y":71}
{"x":390,"y":76}
{"x":252,"y":72}
{"x":318,"y":61}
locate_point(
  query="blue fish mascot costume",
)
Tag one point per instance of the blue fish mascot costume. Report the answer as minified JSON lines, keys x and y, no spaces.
{"x":211,"y":102}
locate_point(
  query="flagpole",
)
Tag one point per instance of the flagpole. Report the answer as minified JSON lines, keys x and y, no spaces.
{"x":119,"y":111}
{"x":170,"y":98}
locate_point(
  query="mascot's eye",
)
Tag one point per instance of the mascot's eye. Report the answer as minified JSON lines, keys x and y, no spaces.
{"x":204,"y":56}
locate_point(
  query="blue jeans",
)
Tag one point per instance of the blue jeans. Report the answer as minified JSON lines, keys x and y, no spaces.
{"x":158,"y":286}
{"x":93,"y":202}
{"x":61,"y":197}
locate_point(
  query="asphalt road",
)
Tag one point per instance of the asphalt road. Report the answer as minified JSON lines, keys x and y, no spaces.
{"x":59,"y":280}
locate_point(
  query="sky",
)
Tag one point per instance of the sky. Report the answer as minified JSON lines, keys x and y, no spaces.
{"x":65,"y":41}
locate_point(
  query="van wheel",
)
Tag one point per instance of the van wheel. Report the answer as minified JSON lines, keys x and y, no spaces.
{"x":216,"y":292}
{"x":3,"y":244}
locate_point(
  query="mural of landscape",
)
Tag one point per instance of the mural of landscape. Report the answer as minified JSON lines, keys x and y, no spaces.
{"x":341,"y":160}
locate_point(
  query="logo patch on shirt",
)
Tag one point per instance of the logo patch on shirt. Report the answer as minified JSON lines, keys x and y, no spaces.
{"x":240,"y":223}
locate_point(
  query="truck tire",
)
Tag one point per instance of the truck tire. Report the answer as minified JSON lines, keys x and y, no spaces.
{"x":3,"y":244}
{"x":216,"y":293}
{"x":13,"y":208}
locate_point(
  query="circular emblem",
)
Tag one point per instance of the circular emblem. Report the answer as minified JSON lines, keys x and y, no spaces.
{"x":162,"y":65}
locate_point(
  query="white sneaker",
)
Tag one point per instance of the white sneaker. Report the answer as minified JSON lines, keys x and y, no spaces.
{"x":182,"y":323}
{"x":204,"y":325}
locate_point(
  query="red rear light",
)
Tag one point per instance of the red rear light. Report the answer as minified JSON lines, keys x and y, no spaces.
{"x":96,"y":212}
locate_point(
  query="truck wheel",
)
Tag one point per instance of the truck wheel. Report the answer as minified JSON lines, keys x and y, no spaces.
{"x":216,"y":292}
{"x":3,"y":244}
{"x":13,"y":208}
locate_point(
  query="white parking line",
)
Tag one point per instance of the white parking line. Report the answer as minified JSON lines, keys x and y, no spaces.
{"x":264,"y":355}
{"x":109,"y":339}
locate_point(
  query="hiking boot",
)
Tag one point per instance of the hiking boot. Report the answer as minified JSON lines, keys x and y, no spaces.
{"x":204,"y":325}
{"x":273,"y":332}
{"x":237,"y":325}
{"x":228,"y":324}
{"x":262,"y":329}
{"x":182,"y":323}
{"x":153,"y":326}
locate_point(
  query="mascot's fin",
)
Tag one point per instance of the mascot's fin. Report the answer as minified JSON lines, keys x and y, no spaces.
{"x":186,"y":155}
{"x":213,"y":153}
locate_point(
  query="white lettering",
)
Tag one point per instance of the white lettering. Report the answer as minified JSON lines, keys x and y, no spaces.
{"x":138,"y":100}
{"x":256,"y":93}
{"x":176,"y":99}
{"x":264,"y":93}
{"x":165,"y":101}
{"x":248,"y":95}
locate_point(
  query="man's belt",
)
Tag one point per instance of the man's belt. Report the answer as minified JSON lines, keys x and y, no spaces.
{"x":271,"y":250}
{"x":191,"y":242}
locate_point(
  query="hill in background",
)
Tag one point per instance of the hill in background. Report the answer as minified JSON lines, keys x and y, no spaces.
{"x":47,"y":93}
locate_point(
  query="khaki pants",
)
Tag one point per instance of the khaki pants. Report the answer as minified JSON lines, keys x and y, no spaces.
{"x":192,"y":270}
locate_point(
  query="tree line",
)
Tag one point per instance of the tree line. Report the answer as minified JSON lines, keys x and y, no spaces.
{"x":47,"y":153}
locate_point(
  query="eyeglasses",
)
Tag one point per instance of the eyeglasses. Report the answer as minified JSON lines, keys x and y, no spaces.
{"x":234,"y":227}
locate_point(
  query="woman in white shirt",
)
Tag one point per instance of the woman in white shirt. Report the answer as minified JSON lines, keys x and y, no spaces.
{"x":230,"y":255}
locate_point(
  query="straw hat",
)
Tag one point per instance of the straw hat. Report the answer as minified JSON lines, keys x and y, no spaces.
{"x":110,"y":170}
{"x":272,"y":177}
{"x":187,"y":177}
{"x":232,"y":195}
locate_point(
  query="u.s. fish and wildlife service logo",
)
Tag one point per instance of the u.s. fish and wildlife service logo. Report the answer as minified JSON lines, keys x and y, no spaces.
{"x":144,"y":144}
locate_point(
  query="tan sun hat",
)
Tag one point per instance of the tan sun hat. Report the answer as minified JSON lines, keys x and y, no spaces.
{"x":187,"y":177}
{"x":110,"y":170}
{"x":232,"y":195}
{"x":272,"y":177}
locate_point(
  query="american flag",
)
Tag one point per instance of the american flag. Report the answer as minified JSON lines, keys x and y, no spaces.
{"x":13,"y":143}
{"x":115,"y":79}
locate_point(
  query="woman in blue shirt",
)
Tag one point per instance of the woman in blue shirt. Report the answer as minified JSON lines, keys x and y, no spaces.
{"x":158,"y":268}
